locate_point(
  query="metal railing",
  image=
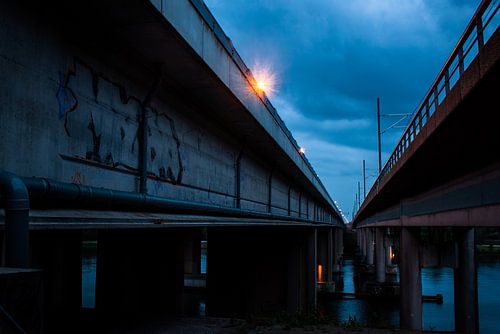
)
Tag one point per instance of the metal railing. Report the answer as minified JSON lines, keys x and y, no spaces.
{"x":482,"y":26}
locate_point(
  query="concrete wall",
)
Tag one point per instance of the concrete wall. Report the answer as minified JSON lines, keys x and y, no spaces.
{"x":200,"y":29}
{"x":71,"y":113}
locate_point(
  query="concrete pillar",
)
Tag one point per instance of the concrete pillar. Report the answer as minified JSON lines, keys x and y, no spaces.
{"x":336,"y":255}
{"x":192,"y":252}
{"x":410,"y":280}
{"x":340,"y":243}
{"x":363,"y":243}
{"x":59,"y":255}
{"x":323,"y":256}
{"x":465,"y":281}
{"x":261,"y":270}
{"x":331,"y":258}
{"x":311,"y":269}
{"x":140,"y":272}
{"x":296,"y":277}
{"x":369,"y":247}
{"x":380,"y":255}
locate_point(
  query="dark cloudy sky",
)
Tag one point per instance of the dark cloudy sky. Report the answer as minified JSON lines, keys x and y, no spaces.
{"x":333,"y":58}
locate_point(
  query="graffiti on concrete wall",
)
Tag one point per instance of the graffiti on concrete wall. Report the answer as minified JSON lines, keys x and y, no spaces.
{"x":78,"y":177}
{"x":101,"y":121}
{"x":66,"y":99}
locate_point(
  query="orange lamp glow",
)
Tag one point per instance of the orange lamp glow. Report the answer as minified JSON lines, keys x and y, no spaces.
{"x":320,"y":273}
{"x":261,"y":85}
{"x":264,"y":80}
{"x":391,"y":254}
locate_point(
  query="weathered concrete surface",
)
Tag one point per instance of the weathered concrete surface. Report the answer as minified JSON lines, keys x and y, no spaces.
{"x":370,"y":247}
{"x":410,"y":280}
{"x":261,"y":271}
{"x":380,"y":254}
{"x":201,"y":30}
{"x":73,"y":91}
{"x":471,"y":200}
{"x":448,"y":175}
{"x":465,"y":281}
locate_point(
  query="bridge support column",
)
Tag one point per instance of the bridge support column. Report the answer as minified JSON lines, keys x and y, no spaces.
{"x":323,"y":256}
{"x":261,"y":270}
{"x":465,"y":281}
{"x":358,"y":239}
{"x":312,"y":270}
{"x":302,"y":272}
{"x":336,"y":251}
{"x":340,"y":243}
{"x":362,"y":246}
{"x":331,"y":254}
{"x":59,"y":255}
{"x":410,"y":280}
{"x":140,"y":271}
{"x":380,"y":254}
{"x":369,"y":246}
{"x":192,"y":253}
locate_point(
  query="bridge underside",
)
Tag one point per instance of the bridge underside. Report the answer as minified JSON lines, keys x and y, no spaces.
{"x":473,"y":200}
{"x":449,"y":175}
{"x":64,"y":219}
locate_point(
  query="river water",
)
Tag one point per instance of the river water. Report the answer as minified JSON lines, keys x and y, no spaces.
{"x":435,"y":316}
{"x":386,"y":313}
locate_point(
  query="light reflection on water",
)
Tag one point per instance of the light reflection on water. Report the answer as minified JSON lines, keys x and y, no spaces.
{"x":88,"y":281}
{"x":435,"y":316}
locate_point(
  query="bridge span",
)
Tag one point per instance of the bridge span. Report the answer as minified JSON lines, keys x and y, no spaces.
{"x":443,"y":178}
{"x":138,"y":123}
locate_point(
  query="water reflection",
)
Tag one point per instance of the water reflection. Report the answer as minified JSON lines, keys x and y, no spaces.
{"x":377,"y":313}
{"x":89,"y":261}
{"x":385,"y":313}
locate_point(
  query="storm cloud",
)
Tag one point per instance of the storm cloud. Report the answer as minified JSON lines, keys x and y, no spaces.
{"x":333,"y":58}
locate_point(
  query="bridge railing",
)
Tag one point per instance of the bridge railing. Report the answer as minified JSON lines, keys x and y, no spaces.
{"x":482,"y":26}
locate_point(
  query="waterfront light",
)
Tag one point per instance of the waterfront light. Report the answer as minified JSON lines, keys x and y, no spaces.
{"x":391,"y":254}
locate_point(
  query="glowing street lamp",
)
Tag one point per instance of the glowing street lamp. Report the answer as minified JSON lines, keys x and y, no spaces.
{"x":302,"y":150}
{"x":261,"y":85}
{"x":264,"y":80}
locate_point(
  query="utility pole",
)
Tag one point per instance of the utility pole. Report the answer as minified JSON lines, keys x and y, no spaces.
{"x":359,"y":196}
{"x":364,"y":180}
{"x":378,"y":135}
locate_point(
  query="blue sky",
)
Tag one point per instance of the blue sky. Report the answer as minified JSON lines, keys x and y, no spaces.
{"x":332,"y":58}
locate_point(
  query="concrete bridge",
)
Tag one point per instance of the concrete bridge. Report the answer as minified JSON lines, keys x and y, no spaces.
{"x":139,"y":122}
{"x":443,"y":178}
